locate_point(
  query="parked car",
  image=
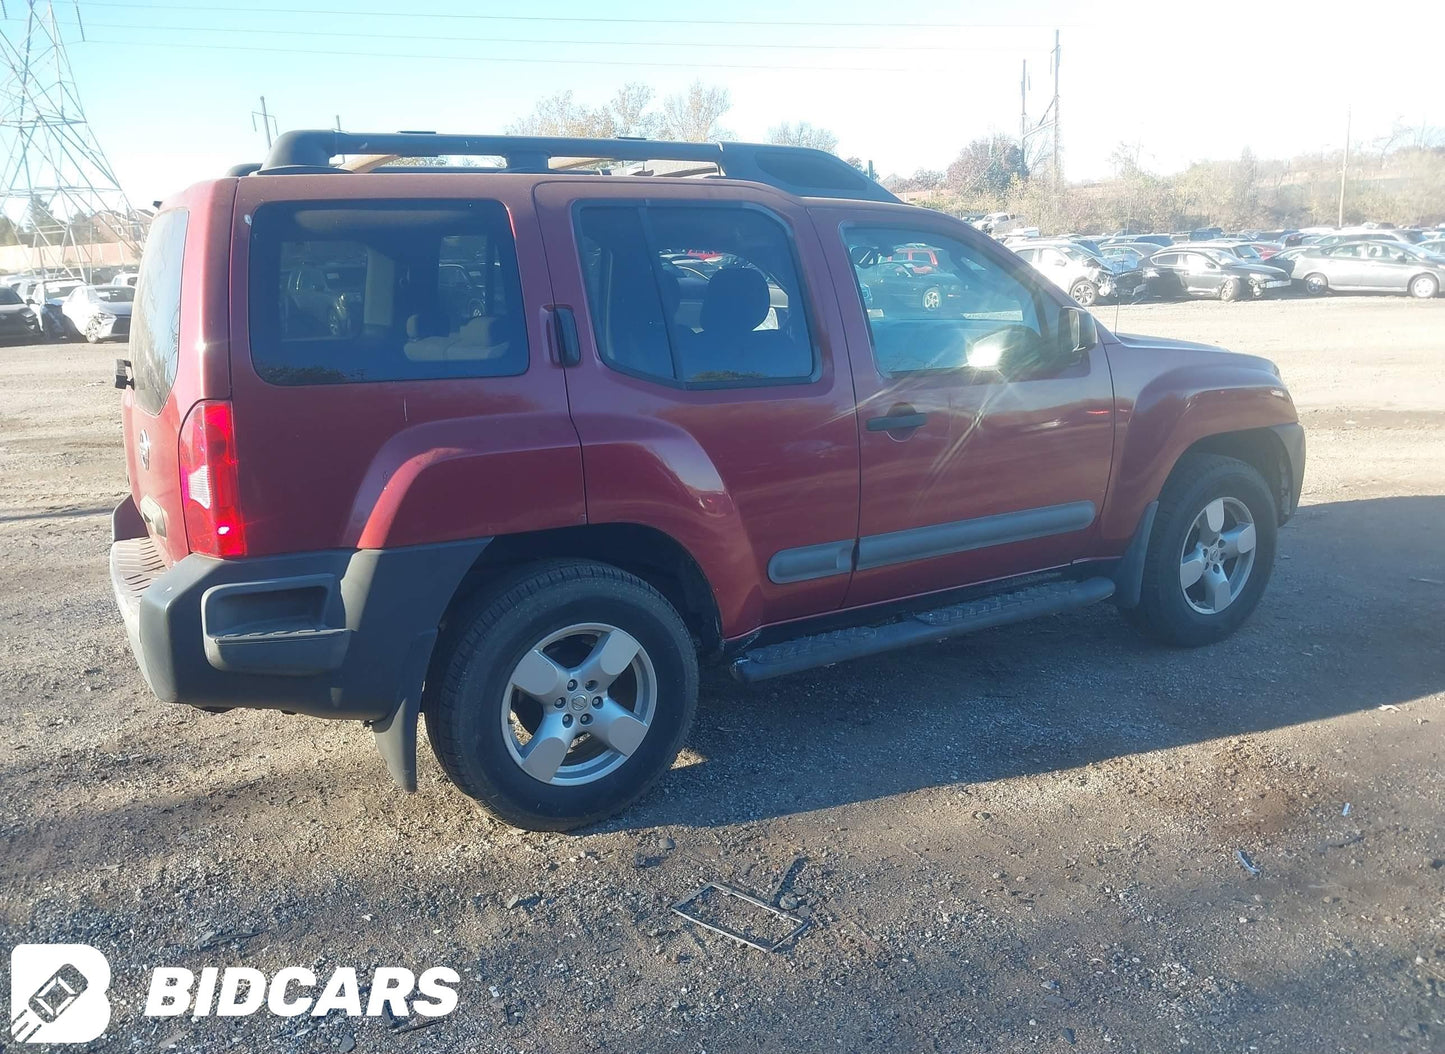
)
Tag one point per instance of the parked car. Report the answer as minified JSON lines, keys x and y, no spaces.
{"x":1370,"y":266}
{"x":920,"y":258}
{"x":1189,"y":270}
{"x":1085,"y":276}
{"x":1161,"y":240}
{"x":1388,"y":234}
{"x":45,"y":297}
{"x":18,"y":321}
{"x":1433,"y":245}
{"x":533,"y":523}
{"x":1249,"y":252}
{"x":98,"y":312}
{"x":125,"y":278}
{"x":900,"y":289}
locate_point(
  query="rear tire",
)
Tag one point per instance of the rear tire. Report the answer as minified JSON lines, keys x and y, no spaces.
{"x":508,"y":748}
{"x":1316,"y":284}
{"x":1237,"y":499}
{"x":1424,"y":287}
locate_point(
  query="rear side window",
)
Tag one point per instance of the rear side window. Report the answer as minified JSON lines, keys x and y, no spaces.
{"x":385,"y":291}
{"x":155,"y":328}
{"x":695,"y":297}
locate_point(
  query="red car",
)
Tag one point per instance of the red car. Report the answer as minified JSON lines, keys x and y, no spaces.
{"x":462,"y":443}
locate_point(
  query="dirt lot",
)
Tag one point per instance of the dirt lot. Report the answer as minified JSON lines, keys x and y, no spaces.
{"x":1021,"y":840}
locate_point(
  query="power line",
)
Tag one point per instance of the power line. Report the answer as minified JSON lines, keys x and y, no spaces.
{"x":495,"y":60}
{"x":553,"y":41}
{"x":413,"y":14}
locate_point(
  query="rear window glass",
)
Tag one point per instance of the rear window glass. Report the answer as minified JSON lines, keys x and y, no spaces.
{"x":155,"y":331}
{"x":117,"y":294}
{"x":385,"y":291}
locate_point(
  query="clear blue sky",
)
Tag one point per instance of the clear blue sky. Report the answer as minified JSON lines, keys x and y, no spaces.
{"x":169,"y":85}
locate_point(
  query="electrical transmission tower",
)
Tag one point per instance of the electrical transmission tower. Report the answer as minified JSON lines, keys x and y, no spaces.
{"x":59,"y":192}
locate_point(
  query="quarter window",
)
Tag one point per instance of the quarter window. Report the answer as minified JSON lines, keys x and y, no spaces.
{"x":697,"y":297}
{"x":155,"y":335}
{"x":969,"y":311}
{"x":385,"y":291}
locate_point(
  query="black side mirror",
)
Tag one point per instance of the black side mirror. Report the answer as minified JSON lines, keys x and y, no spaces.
{"x":1078,"y":332}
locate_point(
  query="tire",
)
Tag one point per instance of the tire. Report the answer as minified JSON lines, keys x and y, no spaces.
{"x":1316,"y":284}
{"x":1424,"y":287}
{"x":476,"y":715}
{"x":1230,"y":290}
{"x":92,"y":332}
{"x":931,"y":299}
{"x":1084,"y":293}
{"x":1190,"y":616}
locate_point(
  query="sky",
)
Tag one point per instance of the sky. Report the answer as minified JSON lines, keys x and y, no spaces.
{"x":169,"y":86}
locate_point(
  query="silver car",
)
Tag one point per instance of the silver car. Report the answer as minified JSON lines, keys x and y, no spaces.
{"x":1084,"y":275}
{"x":1370,"y":267}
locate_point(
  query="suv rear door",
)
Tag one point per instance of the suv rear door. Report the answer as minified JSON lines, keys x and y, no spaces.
{"x":969,"y":473}
{"x":374,"y":408}
{"x":713,"y":400}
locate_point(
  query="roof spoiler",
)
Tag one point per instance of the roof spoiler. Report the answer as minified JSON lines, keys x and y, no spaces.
{"x":797,"y":170}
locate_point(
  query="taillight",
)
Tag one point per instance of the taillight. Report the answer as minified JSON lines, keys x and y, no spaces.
{"x":210,"y":482}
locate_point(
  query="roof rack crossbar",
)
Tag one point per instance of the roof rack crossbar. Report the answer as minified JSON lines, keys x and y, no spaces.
{"x":798,"y":170}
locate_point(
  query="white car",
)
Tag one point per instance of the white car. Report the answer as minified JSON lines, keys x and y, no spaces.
{"x":99,"y":312}
{"x":126,"y":278}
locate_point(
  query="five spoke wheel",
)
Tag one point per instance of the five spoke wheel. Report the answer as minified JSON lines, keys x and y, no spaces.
{"x":1218,"y":555}
{"x":578,"y":704}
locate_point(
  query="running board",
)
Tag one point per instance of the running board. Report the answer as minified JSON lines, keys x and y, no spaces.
{"x":824,"y":649}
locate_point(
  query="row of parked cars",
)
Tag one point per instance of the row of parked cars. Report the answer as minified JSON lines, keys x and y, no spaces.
{"x":44,"y":307}
{"x":1248,"y":265}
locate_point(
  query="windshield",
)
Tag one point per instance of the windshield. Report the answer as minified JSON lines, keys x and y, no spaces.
{"x":115,"y":294}
{"x":8,"y":296}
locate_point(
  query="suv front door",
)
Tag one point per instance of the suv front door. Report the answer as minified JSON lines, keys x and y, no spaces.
{"x":984,"y":454}
{"x":714,"y":403}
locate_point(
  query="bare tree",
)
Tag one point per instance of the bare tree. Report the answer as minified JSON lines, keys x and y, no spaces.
{"x":629,"y":111}
{"x":692,"y":116}
{"x":803,"y":134}
{"x":562,"y":114}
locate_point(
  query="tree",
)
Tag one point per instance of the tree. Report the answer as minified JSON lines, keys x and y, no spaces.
{"x":803,"y":134}
{"x":562,"y":114}
{"x":628,"y":110}
{"x":986,"y":166}
{"x":692,"y":116}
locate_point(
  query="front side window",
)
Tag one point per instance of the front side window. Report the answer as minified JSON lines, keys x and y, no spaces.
{"x":968,"y":312}
{"x":695,"y":296}
{"x":370,"y":292}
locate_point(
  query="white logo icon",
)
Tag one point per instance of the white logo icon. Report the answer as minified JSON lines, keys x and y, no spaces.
{"x":57,"y":993}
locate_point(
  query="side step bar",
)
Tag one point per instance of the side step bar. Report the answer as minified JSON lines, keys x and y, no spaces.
{"x":824,"y":649}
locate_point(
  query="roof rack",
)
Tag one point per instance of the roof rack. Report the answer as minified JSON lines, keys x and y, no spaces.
{"x":797,"y":170}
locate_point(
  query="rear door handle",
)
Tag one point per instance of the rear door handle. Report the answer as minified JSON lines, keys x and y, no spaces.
{"x":897,"y":422}
{"x":564,"y":332}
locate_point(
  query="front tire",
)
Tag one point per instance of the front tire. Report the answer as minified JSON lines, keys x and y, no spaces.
{"x":1425,"y":287}
{"x":1210,"y":553}
{"x":1084,"y":293}
{"x":931,"y":300}
{"x":566,"y":693}
{"x":1230,"y":290}
{"x":1316,"y":284}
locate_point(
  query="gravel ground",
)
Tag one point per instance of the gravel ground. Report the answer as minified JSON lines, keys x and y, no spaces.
{"x":1020,"y":840}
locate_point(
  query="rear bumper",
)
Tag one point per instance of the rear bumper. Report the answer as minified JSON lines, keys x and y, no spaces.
{"x":336,"y":633}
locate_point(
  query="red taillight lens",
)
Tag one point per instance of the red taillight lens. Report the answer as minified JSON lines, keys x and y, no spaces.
{"x":210,"y":482}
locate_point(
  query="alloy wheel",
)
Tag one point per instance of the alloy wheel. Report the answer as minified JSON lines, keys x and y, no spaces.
{"x":1218,"y":555}
{"x":578,"y":704}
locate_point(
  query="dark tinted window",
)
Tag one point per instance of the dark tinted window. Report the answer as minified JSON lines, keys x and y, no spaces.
{"x":9,"y":296}
{"x":385,"y":291}
{"x":970,"y":311}
{"x":695,"y":296}
{"x":155,"y":328}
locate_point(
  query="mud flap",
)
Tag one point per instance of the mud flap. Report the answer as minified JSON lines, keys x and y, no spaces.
{"x":1129,"y":574}
{"x":396,"y":733}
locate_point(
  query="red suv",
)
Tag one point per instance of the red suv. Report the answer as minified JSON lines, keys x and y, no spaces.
{"x":470,"y":443}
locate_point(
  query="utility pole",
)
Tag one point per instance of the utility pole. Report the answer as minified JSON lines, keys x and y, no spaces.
{"x":1344,"y":167}
{"x":1058,"y":169}
{"x":268,"y":121}
{"x":1024,"y":110}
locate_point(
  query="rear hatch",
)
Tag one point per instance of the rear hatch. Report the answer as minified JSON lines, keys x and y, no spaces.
{"x":178,"y":352}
